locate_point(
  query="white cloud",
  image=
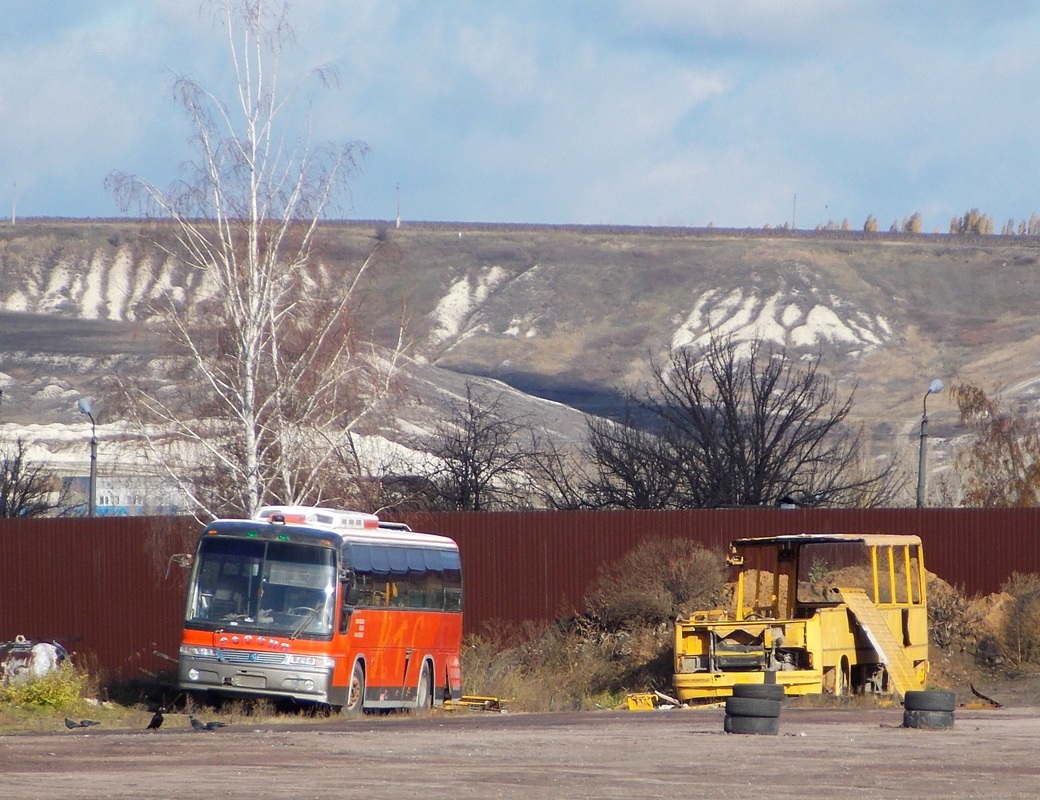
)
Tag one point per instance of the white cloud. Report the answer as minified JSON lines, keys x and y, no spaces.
{"x":642,"y":112}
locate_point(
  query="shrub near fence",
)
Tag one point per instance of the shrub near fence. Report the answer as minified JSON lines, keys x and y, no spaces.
{"x":108,"y":590}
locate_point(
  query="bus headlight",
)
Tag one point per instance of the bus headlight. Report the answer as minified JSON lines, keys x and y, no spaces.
{"x":198,"y":652}
{"x":193,"y":674}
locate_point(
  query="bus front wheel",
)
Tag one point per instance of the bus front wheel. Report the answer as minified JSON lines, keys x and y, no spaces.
{"x":356,"y":693}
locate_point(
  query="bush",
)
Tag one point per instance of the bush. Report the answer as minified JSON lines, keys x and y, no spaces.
{"x":1019,"y":634}
{"x":57,"y":689}
{"x":947,"y":614}
{"x":1020,"y":584}
{"x":654,"y":583}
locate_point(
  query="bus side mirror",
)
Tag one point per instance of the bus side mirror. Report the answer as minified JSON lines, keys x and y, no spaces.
{"x":350,"y":587}
{"x":182,"y":560}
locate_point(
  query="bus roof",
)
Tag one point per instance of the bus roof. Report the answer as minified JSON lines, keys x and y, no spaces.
{"x":346,"y":526}
{"x":868,"y":539}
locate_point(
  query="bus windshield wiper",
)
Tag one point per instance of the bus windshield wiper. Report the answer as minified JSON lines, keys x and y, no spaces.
{"x":307,"y":620}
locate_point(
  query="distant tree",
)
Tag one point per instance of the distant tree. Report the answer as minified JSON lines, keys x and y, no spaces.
{"x":270,"y":375}
{"x":973,"y":222}
{"x":736,"y":425}
{"x":1034,"y":224}
{"x":486,"y":456}
{"x":1001,"y":466}
{"x":27,"y":488}
{"x":871,"y":225}
{"x":913,"y":224}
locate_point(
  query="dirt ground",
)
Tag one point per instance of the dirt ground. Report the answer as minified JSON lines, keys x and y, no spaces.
{"x":847,"y":753}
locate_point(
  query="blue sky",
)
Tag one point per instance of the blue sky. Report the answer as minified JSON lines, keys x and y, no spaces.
{"x":642,"y":112}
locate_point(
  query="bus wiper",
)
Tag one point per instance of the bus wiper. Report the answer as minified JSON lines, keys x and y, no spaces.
{"x":307,"y":620}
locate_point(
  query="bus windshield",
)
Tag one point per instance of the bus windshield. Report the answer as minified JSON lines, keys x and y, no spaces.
{"x":267,"y":586}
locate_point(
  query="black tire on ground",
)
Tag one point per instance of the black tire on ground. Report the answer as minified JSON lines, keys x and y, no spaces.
{"x":929,"y":701}
{"x":752,"y":707}
{"x":768,"y":726}
{"x":927,"y":719}
{"x":760,"y":691}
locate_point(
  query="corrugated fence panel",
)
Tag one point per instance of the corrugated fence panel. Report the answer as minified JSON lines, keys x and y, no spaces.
{"x":539,"y":565}
{"x":98,"y":586}
{"x":106,"y":586}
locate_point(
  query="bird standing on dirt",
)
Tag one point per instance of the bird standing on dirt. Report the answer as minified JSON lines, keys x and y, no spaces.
{"x":157,"y":720}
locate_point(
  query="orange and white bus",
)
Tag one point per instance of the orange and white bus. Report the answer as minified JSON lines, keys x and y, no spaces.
{"x":323,"y":607}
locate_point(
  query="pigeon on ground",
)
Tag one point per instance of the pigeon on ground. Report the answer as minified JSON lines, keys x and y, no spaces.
{"x":83,"y":723}
{"x":156,"y":721}
{"x":204,"y":726}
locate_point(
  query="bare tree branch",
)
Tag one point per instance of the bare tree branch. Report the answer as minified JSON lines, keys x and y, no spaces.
{"x":27,"y":488}
{"x":485,"y":455}
{"x":733,"y":425}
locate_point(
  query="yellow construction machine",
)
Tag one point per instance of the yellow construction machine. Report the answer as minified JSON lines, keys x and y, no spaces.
{"x":817,"y":613}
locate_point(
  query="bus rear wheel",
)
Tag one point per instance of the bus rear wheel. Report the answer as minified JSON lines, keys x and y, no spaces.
{"x":424,"y":694}
{"x":356,"y":692}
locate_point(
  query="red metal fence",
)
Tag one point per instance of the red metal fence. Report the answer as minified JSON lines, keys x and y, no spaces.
{"x":108,"y":589}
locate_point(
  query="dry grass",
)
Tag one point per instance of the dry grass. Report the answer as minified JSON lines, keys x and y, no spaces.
{"x":594,"y":661}
{"x":622,"y":644}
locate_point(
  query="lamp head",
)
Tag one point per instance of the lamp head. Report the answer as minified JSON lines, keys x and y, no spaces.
{"x":936,"y":386}
{"x":86,"y":406}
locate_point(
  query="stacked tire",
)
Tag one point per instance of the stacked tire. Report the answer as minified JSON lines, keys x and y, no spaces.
{"x":754,"y":708}
{"x":928,"y":709}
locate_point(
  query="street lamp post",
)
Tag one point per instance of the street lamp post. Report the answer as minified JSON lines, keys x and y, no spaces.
{"x":934,"y":387}
{"x":86,"y":406}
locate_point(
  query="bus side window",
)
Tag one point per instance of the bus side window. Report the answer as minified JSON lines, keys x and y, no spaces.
{"x":434,"y":590}
{"x":452,"y":590}
{"x":363,"y":589}
{"x":416,"y":589}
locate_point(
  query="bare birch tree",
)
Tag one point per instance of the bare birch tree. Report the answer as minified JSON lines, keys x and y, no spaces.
{"x":269,"y":375}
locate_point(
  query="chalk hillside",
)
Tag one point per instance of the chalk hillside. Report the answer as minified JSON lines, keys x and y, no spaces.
{"x":562,"y":318}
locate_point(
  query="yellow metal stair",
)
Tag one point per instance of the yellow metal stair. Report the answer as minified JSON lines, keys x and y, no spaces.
{"x":900,"y":670}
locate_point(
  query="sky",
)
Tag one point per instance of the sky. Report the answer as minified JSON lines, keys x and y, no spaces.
{"x":733,"y":113}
